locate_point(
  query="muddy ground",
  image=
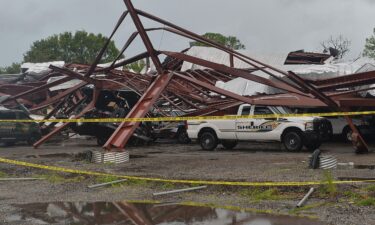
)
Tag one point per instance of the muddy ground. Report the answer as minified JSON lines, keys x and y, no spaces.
{"x":331,"y":204}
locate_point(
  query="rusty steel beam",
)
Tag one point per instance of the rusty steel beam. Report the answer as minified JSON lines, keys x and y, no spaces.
{"x":146,"y":40}
{"x":104,"y":48}
{"x":58,"y":97}
{"x":359,"y":143}
{"x":233,"y":71}
{"x":126,"y":129}
{"x":57,"y":130}
{"x":40,"y":88}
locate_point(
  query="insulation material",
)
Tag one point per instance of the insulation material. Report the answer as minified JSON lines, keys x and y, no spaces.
{"x":63,"y":86}
{"x":40,"y":68}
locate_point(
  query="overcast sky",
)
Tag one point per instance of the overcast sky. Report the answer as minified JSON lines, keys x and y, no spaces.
{"x":262,"y":25}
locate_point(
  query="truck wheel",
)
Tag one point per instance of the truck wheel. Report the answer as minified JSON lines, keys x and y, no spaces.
{"x":313,"y":146}
{"x":208,"y":141}
{"x":229,"y":144}
{"x":292,"y":141}
{"x":183,"y":138}
{"x":347,"y":134}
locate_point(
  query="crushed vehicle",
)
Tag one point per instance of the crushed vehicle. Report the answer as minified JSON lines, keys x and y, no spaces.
{"x":111,"y":104}
{"x":293,"y":132}
{"x":172,"y":131}
{"x":12,"y":132}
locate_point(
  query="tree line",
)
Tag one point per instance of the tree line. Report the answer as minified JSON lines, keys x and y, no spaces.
{"x":82,"y":47}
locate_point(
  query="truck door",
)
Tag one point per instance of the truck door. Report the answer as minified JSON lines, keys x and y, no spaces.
{"x":255,"y":129}
{"x":263,"y":126}
{"x":244,"y":126}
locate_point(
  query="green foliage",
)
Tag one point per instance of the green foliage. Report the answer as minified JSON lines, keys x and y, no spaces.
{"x":228,"y":41}
{"x":328,"y":186}
{"x":167,"y":186}
{"x":107,"y":179}
{"x":307,"y":207}
{"x":366,"y":202}
{"x":137,"y":67}
{"x":353,"y":196}
{"x":3,"y":174}
{"x":370,"y":189}
{"x":80,"y":47}
{"x":369,"y":50}
{"x":15,"y":68}
{"x":138,"y":182}
{"x":258,"y":194}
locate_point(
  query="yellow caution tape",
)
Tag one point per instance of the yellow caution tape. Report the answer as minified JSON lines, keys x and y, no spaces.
{"x":200,"y":182}
{"x":185,"y":118}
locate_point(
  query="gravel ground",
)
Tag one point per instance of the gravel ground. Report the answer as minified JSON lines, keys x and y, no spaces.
{"x":248,"y":162}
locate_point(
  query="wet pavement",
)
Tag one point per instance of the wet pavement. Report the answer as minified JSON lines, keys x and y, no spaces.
{"x":141,"y":214}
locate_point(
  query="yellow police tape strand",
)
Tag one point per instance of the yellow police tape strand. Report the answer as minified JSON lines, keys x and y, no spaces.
{"x":200,"y":182}
{"x":185,"y":118}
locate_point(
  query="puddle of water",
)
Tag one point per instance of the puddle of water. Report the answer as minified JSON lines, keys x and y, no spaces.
{"x":141,"y":214}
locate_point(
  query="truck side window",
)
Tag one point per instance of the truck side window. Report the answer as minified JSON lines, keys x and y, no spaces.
{"x":260,"y":110}
{"x":246,"y":110}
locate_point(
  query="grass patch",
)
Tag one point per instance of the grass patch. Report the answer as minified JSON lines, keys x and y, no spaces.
{"x":3,"y":174}
{"x":167,"y":186}
{"x":353,"y":196}
{"x":307,"y":207}
{"x":370,"y":188}
{"x":107,"y":179}
{"x":58,"y":178}
{"x":144,"y":183}
{"x":258,"y":194}
{"x":328,"y":188}
{"x":369,"y":201}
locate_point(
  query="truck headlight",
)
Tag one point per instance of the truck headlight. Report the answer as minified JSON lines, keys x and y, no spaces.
{"x":309,"y":126}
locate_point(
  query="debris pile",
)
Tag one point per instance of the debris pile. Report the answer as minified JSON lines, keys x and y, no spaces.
{"x":184,"y":84}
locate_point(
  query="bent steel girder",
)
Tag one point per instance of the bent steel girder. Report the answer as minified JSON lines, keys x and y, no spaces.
{"x":348,"y":81}
{"x":146,"y":40}
{"x":233,"y":71}
{"x":359,"y":143}
{"x":89,"y":107}
{"x":126,"y":129}
{"x":104,"y":48}
{"x":191,"y":90}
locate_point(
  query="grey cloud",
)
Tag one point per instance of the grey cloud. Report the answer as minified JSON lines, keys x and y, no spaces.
{"x":262,"y":25}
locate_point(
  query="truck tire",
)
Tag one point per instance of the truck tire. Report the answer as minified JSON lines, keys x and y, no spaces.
{"x":347,"y":134}
{"x":208,"y":141}
{"x":182,"y":137}
{"x":292,"y":141}
{"x":229,"y":144}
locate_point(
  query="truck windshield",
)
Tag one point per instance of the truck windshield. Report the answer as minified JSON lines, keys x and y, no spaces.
{"x":282,"y":110}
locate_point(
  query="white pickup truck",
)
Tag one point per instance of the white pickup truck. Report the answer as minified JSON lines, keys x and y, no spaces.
{"x":294,"y":133}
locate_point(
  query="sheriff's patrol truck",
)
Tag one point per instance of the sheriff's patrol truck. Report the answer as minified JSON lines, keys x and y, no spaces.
{"x":293,"y":132}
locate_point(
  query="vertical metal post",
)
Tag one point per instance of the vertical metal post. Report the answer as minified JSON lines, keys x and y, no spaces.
{"x":146,"y":40}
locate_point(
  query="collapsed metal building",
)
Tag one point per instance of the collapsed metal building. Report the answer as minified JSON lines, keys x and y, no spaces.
{"x":192,"y":92}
